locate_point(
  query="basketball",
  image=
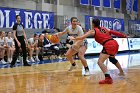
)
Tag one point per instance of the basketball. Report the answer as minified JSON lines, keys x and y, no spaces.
{"x":54,"y":38}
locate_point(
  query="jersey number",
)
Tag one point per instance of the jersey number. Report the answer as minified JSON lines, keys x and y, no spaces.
{"x":102,"y":31}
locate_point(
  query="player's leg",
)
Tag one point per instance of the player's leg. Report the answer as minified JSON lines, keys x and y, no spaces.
{"x":69,"y":55}
{"x":81,"y":54}
{"x":108,"y":79}
{"x":117,"y":64}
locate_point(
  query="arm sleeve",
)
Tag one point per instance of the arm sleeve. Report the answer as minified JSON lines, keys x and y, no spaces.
{"x":15,"y":27}
{"x":81,"y":32}
{"x":119,"y":34}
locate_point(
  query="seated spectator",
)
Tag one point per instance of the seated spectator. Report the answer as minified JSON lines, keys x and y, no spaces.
{"x":41,"y":46}
{"x":10,"y":46}
{"x":32,"y":46}
{"x":2,"y":46}
{"x":50,"y":46}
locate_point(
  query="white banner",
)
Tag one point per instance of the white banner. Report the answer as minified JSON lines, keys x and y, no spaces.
{"x":94,"y":47}
{"x":134,"y":43}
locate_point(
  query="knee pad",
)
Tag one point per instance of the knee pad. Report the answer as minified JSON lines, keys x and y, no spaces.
{"x":113,"y":60}
{"x":75,"y":47}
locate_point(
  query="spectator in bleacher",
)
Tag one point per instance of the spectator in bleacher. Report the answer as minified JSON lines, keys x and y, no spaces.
{"x":2,"y":47}
{"x":50,"y":46}
{"x":32,"y":46}
{"x":10,"y":46}
{"x":41,"y":46}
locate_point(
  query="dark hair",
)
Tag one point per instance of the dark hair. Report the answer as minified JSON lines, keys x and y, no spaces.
{"x":36,"y":35}
{"x":8,"y":33}
{"x":73,"y":18}
{"x":17,"y":16}
{"x":40,"y":35}
{"x":96,"y":22}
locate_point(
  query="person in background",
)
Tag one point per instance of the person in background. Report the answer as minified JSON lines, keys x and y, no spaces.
{"x":32,"y":46}
{"x":51,"y":46}
{"x":20,"y":41}
{"x":41,"y":46}
{"x":2,"y":47}
{"x":11,"y":46}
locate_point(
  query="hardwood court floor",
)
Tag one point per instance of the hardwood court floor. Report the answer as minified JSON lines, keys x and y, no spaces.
{"x":54,"y":78}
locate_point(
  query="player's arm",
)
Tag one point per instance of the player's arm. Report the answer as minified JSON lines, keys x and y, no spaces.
{"x":59,"y":34}
{"x":116,"y":33}
{"x":91,"y":32}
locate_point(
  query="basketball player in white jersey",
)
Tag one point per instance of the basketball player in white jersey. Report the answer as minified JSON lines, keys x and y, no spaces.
{"x":10,"y":46}
{"x":78,"y":46}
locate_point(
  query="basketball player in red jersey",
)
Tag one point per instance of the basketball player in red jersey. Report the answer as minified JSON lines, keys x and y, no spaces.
{"x":110,"y":48}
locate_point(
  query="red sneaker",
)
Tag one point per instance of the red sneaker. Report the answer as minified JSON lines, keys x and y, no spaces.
{"x":108,"y":80}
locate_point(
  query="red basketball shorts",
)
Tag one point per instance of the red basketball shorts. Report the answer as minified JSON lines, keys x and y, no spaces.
{"x":111,"y":48}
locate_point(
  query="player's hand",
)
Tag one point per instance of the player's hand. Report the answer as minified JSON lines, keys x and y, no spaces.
{"x":71,"y":38}
{"x":58,"y":34}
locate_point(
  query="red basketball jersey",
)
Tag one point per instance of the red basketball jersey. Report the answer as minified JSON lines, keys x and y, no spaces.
{"x":103,"y":34}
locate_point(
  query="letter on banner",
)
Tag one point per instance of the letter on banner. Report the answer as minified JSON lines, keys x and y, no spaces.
{"x":7,"y":19}
{"x":36,"y":22}
{"x":1,"y":19}
{"x":46,"y":18}
{"x":28,"y":18}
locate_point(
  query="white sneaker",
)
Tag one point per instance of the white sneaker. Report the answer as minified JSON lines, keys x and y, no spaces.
{"x":60,"y":57}
{"x":9,"y":60}
{"x":27,"y":60}
{"x":18,"y":60}
{"x":87,"y":73}
{"x":3,"y":62}
{"x":37,"y":59}
{"x":32,"y":60}
{"x":72,"y":67}
{"x":55,"y":47}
